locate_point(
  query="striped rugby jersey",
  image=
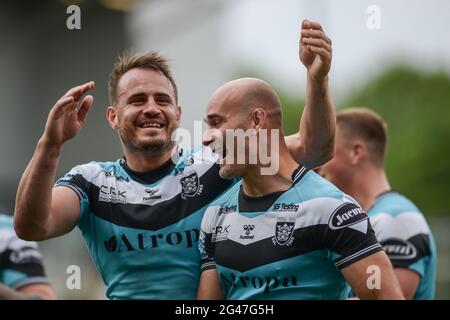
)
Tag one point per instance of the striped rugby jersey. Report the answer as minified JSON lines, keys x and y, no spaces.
{"x":285,"y":245}
{"x":406,"y":238}
{"x":20,"y":260}
{"x":142,"y":229}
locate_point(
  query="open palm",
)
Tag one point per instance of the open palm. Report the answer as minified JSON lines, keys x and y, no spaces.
{"x":65,"y":120}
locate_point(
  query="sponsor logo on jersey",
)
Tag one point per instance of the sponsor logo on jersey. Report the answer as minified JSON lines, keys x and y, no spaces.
{"x":25,"y":255}
{"x":189,"y":161}
{"x":190,"y":185}
{"x":226,"y":210}
{"x":220,"y":233}
{"x":112,"y":174}
{"x":221,"y":229}
{"x":399,"y":249}
{"x":151,"y":194}
{"x":266,"y":283}
{"x":290,"y":207}
{"x":144,"y":241}
{"x":346,"y":215}
{"x":111,"y":194}
{"x":284,"y":231}
{"x":248,"y":228}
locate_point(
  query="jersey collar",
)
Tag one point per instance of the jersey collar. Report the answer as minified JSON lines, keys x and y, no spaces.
{"x":150,"y":176}
{"x":263,"y":203}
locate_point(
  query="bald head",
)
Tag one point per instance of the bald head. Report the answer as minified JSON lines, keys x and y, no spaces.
{"x":246,"y":94}
{"x":244,"y":126}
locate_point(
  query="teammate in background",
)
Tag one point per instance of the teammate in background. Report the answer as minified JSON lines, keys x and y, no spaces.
{"x":358,"y":169}
{"x":21,"y":270}
{"x":141,"y":215}
{"x":291,"y":235}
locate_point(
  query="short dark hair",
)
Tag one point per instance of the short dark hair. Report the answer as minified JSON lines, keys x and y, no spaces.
{"x":367,"y":125}
{"x":127,"y":61}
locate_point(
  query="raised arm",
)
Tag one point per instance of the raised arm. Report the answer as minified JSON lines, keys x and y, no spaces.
{"x":43,"y":212}
{"x":313,"y":145}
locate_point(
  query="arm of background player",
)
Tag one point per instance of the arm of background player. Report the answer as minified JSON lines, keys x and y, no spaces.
{"x":37,"y":291}
{"x":43,"y":212}
{"x":360,"y":275}
{"x":209,"y":287}
{"x":30,"y":292}
{"x":409,"y":281}
{"x":313,"y":145}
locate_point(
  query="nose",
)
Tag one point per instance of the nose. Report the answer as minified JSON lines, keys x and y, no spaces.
{"x":151,"y":109}
{"x":207,"y":138}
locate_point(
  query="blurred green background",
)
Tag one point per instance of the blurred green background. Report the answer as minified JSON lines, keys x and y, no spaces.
{"x":416,"y":106}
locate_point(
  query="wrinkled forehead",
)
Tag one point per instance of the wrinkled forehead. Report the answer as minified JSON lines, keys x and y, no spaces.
{"x":139,"y":80}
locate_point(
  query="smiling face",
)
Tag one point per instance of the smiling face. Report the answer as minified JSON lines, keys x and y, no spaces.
{"x":145,"y":114}
{"x":234,"y":115}
{"x":219,"y":121}
{"x":238,"y":115}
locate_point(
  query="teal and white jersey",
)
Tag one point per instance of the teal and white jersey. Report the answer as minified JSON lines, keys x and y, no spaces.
{"x":20,"y":261}
{"x":406,"y":238}
{"x":285,"y":245}
{"x":142,"y":229}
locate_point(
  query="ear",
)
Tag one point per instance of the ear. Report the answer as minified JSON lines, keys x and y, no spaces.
{"x":178,"y":114}
{"x":258,"y":118}
{"x":111,"y":115}
{"x":359,"y":152}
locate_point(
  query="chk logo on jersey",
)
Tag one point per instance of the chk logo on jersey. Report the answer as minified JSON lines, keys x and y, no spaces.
{"x":111,"y":194}
{"x":190,"y":185}
{"x":220,"y":233}
{"x":346,"y":215}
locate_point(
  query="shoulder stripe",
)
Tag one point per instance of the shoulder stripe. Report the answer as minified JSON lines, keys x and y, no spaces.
{"x":340,"y":263}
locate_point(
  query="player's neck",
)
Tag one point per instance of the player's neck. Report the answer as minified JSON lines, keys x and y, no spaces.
{"x":369,"y":185}
{"x":142,"y":162}
{"x":256,"y":184}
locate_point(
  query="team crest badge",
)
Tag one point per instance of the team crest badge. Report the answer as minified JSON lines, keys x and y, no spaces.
{"x":284,"y":231}
{"x":190,"y":185}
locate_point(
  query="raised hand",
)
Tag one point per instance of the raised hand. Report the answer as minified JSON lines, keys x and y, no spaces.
{"x":315,"y":50}
{"x":65,"y":119}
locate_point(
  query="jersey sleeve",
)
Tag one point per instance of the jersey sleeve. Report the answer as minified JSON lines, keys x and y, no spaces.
{"x":206,"y":244}
{"x":405,"y":239}
{"x":76,"y":181}
{"x":349,"y":235}
{"x":21,"y":263}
